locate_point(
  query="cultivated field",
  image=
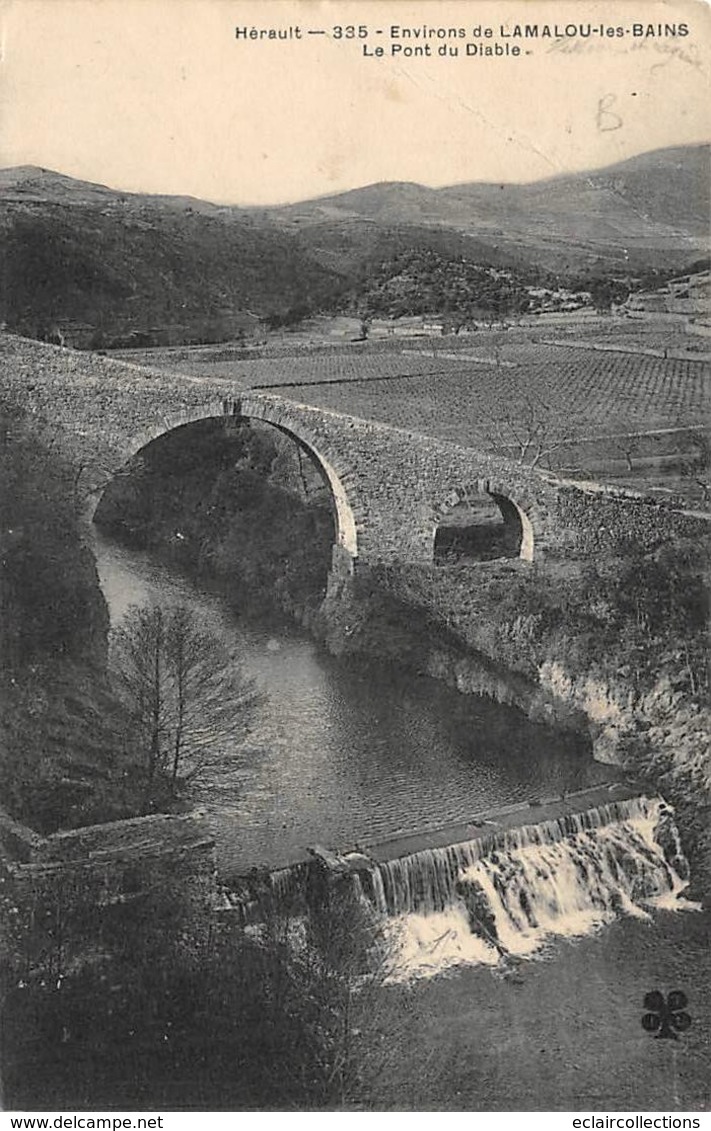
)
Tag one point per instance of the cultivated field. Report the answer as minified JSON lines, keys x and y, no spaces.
{"x":597,"y":398}
{"x":587,"y":393}
{"x":340,"y":364}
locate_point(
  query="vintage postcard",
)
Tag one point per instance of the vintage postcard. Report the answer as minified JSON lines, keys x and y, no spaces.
{"x":355,"y":503}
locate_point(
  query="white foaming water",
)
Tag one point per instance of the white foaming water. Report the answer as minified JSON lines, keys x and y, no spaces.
{"x":502,"y":895}
{"x":482,"y":901}
{"x":425,"y":945}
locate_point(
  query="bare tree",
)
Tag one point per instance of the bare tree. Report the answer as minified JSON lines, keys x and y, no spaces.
{"x":629,"y":445}
{"x":523,"y":427}
{"x":190,"y":700}
{"x":696,"y":466}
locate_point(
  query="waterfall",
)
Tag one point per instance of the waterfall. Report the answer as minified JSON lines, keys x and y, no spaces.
{"x":427,"y":881}
{"x":263,"y":892}
{"x":505,"y":892}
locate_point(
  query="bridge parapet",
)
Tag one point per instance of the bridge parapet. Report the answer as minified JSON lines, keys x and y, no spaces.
{"x":391,"y":487}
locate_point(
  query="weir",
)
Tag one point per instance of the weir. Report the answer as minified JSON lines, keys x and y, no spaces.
{"x":513,"y":879}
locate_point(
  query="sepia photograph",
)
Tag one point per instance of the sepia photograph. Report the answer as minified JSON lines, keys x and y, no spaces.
{"x":355,"y":514}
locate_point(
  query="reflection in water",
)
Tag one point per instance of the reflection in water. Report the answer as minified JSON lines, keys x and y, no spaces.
{"x":350,"y":751}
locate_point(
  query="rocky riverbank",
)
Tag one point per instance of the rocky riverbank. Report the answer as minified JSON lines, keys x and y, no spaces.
{"x":645,"y":718}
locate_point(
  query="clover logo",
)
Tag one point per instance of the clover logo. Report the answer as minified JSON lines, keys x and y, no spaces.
{"x":666,"y":1014}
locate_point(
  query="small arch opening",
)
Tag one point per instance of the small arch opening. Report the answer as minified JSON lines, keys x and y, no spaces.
{"x":481,"y":527}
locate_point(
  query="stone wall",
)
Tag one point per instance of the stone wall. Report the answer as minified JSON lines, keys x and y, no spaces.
{"x":56,"y":891}
{"x":600,"y":522}
{"x":399,"y":483}
{"x":117,"y":858}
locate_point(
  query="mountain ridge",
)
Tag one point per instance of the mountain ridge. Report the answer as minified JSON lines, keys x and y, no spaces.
{"x":657,"y":203}
{"x":647,"y":158}
{"x":648,"y":184}
{"x":81,"y":252}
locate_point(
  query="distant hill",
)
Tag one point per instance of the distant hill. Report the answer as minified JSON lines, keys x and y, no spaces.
{"x":32,"y":184}
{"x":649,"y":210}
{"x":108,"y":266}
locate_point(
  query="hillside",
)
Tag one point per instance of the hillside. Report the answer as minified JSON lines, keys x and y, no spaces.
{"x":93,"y":266}
{"x":32,"y":184}
{"x":103,"y":265}
{"x":628,"y":214}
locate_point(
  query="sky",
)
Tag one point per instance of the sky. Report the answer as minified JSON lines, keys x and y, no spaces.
{"x":161,"y":96}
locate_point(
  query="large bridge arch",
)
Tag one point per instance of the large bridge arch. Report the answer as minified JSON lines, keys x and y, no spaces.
{"x":347,"y":507}
{"x":329,"y":462}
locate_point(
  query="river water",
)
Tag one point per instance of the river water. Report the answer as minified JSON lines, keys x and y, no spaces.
{"x":351,"y":751}
{"x":348,"y":751}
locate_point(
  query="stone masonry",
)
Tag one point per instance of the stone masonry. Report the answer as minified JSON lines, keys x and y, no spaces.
{"x":390,"y":487}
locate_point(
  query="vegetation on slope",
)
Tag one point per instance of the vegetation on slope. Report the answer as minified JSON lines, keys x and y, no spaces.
{"x":131,"y":269}
{"x":114,"y":268}
{"x":176,"y":1010}
{"x":418,"y":282}
{"x":62,"y":756}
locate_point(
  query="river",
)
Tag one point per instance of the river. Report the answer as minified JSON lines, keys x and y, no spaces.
{"x":348,"y":751}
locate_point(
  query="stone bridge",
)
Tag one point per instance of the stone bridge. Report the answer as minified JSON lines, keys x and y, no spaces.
{"x":390,"y":487}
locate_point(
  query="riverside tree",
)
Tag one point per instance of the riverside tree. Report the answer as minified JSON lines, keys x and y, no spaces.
{"x":190,"y":701}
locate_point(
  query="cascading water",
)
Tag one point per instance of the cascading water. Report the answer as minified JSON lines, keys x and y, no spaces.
{"x":506,"y":891}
